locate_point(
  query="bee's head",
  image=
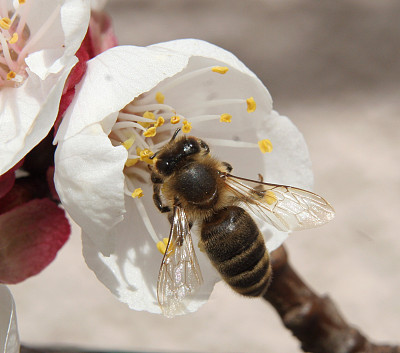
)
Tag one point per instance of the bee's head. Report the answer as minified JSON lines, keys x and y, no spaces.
{"x":177,"y":152}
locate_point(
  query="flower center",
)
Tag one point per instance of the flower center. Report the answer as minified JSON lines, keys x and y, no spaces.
{"x":148,"y":122}
{"x":16,"y":41}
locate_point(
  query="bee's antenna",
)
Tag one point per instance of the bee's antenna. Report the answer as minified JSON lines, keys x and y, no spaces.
{"x":175,"y":134}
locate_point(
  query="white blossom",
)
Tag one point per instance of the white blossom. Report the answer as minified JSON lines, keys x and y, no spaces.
{"x":128,"y":105}
{"x":39,"y":39}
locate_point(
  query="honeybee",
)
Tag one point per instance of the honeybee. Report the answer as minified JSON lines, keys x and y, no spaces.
{"x":191,"y":185}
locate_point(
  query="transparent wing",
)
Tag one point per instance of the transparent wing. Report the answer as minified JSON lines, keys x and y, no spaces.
{"x":285,"y":207}
{"x":180,"y":273}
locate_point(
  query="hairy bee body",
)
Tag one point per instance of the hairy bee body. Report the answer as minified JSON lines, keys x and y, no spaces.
{"x":237,"y":249}
{"x":229,"y":236}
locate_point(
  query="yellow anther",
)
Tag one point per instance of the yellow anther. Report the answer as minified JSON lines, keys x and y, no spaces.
{"x":175,"y":119}
{"x":265,"y":146}
{"x":11,"y":75}
{"x":160,"y":98}
{"x":137,"y":193}
{"x":270,"y":197}
{"x":131,"y":162}
{"x":14,"y":38}
{"x":251,"y":105}
{"x":150,"y":132}
{"x":162,"y":246}
{"x":225,"y":118}
{"x":144,"y":155}
{"x":186,"y":127}
{"x":160,"y":121}
{"x":147,"y":115}
{"x":220,"y":69}
{"x":5,"y":23}
{"x":21,"y":1}
{"x":129,"y":142}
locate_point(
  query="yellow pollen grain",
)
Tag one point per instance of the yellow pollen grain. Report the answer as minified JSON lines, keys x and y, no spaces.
{"x":225,"y":118}
{"x":11,"y":75}
{"x":160,"y":98}
{"x":160,"y":121}
{"x":186,"y":127}
{"x":251,"y":105}
{"x":220,"y":69}
{"x":175,"y":119}
{"x":5,"y":23}
{"x":147,"y":115}
{"x":144,"y":155}
{"x":137,"y":193}
{"x":150,"y":132}
{"x":162,"y":246}
{"x":129,"y":142}
{"x":265,"y":145}
{"x":14,"y":38}
{"x":270,"y":197}
{"x":131,"y":162}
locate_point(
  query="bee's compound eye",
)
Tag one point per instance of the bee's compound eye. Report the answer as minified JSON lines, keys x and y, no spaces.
{"x":190,"y":147}
{"x":165,"y":167}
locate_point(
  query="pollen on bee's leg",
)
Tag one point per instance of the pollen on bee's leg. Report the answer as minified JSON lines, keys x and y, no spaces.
{"x":270,"y":197}
{"x":137,"y":193}
{"x":162,"y":245}
{"x":265,"y":146}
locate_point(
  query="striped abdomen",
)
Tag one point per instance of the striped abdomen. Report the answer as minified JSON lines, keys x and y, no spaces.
{"x":237,"y":249}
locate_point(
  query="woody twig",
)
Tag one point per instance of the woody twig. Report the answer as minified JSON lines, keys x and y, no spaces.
{"x":313,"y":319}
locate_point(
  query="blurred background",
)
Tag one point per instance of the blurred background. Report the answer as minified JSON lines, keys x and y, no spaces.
{"x":333,"y":67}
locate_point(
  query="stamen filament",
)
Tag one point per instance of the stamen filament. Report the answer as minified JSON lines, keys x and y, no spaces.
{"x":148,"y":107}
{"x":39,"y":34}
{"x":127,"y":124}
{"x":230,"y":143}
{"x":213,"y":103}
{"x":10,"y":63}
{"x":134,"y":117}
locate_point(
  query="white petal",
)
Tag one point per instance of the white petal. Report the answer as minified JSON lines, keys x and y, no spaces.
{"x":98,"y":5}
{"x":90,"y":183}
{"x":29,"y":111}
{"x":131,"y":271}
{"x":113,"y":79}
{"x":9,"y":339}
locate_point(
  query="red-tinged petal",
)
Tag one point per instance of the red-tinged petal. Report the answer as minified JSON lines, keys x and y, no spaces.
{"x":101,"y":32}
{"x":30,"y":237}
{"x":7,"y":179}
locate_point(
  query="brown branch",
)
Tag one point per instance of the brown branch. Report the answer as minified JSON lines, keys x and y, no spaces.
{"x":313,"y":319}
